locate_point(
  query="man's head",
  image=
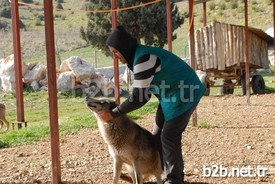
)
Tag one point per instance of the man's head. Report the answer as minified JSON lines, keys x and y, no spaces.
{"x":122,"y":44}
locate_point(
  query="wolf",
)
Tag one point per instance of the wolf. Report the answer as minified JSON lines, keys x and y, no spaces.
{"x":128,"y":144}
{"x":3,"y":117}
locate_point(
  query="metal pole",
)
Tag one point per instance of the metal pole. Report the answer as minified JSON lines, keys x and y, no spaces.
{"x":247,"y":72}
{"x":192,"y":49}
{"x":52,"y":90}
{"x":204,"y":14}
{"x":274,"y":33}
{"x":191,"y":34}
{"x":169,"y":24}
{"x":116,"y":65}
{"x":17,"y":62}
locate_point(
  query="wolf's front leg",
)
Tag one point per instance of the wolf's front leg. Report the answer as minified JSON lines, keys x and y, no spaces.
{"x":117,"y":166}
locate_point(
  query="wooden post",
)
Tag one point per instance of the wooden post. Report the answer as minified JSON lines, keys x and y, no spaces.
{"x":52,"y":90}
{"x":116,"y":65}
{"x":247,"y":72}
{"x":169,"y":24}
{"x":192,"y":49}
{"x":204,"y":14}
{"x":274,"y":33}
{"x":17,"y":62}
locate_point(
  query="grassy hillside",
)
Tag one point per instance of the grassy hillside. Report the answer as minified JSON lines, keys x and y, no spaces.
{"x":67,"y":26}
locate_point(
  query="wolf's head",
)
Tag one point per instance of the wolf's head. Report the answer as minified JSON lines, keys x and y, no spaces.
{"x":100,"y":104}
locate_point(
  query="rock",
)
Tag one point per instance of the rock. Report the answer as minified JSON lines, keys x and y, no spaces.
{"x":35,"y":85}
{"x":270,"y":145}
{"x":66,"y":81}
{"x":7,"y":83}
{"x":248,"y":146}
{"x":93,"y":90}
{"x":105,"y":85}
{"x":43,"y":82}
{"x":80,"y":68}
{"x":44,"y":88}
{"x":7,"y":74}
{"x":1,"y":88}
{"x":109,"y":71}
{"x":36,"y":73}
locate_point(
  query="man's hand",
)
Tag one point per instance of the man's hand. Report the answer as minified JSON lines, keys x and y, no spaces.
{"x":105,"y":115}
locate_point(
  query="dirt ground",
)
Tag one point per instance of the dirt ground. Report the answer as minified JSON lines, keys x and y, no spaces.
{"x":235,"y":136}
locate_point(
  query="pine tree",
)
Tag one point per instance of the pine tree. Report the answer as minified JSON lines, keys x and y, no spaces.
{"x":147,"y":23}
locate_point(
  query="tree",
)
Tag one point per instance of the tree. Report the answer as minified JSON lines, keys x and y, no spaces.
{"x":146,"y":23}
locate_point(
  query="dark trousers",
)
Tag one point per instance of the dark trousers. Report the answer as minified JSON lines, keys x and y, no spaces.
{"x":170,"y":136}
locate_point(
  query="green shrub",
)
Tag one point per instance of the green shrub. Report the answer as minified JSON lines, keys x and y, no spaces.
{"x":268,"y":2}
{"x":186,"y":14}
{"x":214,"y":19}
{"x":256,"y":8}
{"x":221,"y":13}
{"x":203,"y":124}
{"x":212,"y":6}
{"x":40,"y":17}
{"x":222,"y":6}
{"x":5,"y":12}
{"x":38,"y":22}
{"x":254,"y":2}
{"x":21,"y":24}
{"x":240,"y":9}
{"x":3,"y":24}
{"x":234,"y":5}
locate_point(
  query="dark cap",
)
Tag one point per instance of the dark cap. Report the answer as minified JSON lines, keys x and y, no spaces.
{"x":122,"y":41}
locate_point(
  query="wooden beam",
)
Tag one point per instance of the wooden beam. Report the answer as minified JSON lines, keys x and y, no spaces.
{"x":17,"y":62}
{"x":192,"y":49}
{"x":274,"y":31}
{"x":247,"y":72}
{"x":116,"y":64}
{"x":169,"y":24}
{"x":204,"y":14}
{"x":52,"y":90}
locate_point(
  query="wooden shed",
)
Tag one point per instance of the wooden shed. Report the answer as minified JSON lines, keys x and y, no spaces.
{"x":220,"y":46}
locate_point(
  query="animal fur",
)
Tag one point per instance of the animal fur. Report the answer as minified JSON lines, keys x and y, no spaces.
{"x":128,"y":144}
{"x":3,"y":117}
